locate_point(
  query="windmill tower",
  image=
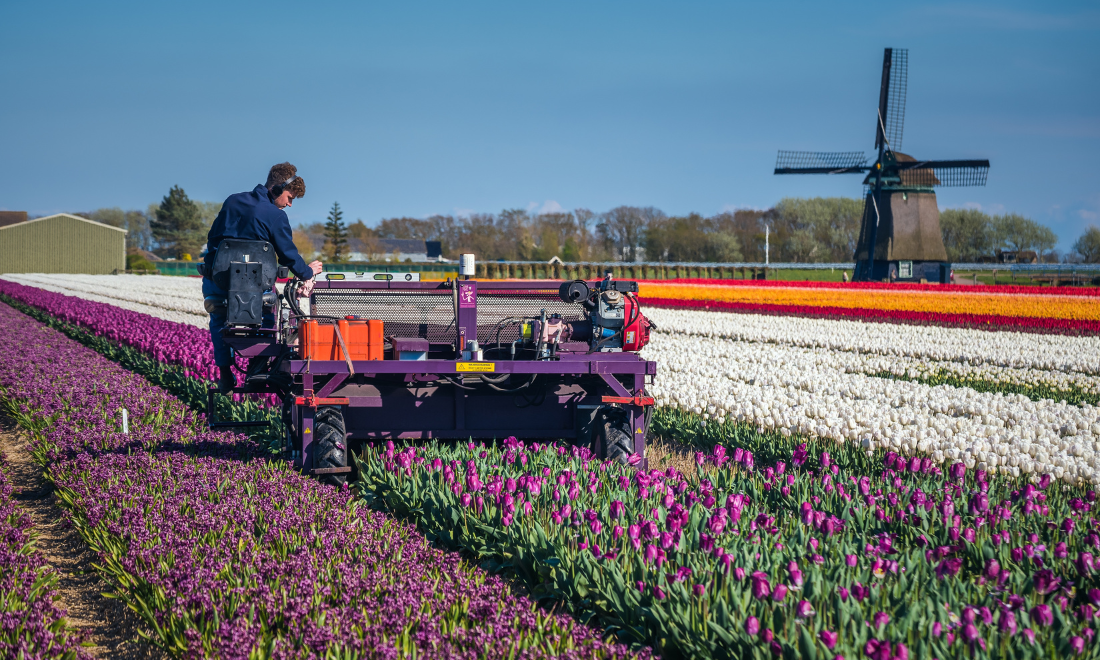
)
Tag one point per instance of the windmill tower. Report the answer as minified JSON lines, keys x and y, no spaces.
{"x":899,"y":236}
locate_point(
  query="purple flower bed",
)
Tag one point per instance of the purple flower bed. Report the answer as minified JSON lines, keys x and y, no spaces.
{"x":31,"y":625}
{"x":225,"y":551}
{"x":802,"y":557}
{"x":167,"y":341}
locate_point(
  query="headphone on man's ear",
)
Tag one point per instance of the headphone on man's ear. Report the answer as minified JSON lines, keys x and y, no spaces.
{"x":278,"y":189}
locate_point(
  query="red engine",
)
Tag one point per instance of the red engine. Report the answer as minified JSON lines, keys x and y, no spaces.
{"x":636,"y":330}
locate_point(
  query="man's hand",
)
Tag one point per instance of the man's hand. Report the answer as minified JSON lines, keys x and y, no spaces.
{"x":305,"y":289}
{"x":317,"y":267}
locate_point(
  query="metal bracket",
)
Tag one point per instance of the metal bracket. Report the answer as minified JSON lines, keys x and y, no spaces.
{"x":638,"y":400}
{"x":336,"y":470}
{"x":314,"y":401}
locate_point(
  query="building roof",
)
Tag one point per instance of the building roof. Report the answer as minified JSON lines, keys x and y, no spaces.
{"x":62,"y":215}
{"x":403,"y":245}
{"x":12,"y":217}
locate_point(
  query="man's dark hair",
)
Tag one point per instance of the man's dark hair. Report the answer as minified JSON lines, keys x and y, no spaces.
{"x":284,"y":177}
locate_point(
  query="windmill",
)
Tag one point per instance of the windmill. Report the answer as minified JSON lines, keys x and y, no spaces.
{"x":900,"y":216}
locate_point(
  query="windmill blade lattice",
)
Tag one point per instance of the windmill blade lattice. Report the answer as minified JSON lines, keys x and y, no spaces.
{"x":820,"y":162}
{"x":894,"y":122}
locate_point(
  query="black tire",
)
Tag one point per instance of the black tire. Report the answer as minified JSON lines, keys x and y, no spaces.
{"x":612,"y":437}
{"x":329,"y":444}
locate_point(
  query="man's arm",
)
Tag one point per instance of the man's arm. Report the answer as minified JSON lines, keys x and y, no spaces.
{"x":283,"y":239}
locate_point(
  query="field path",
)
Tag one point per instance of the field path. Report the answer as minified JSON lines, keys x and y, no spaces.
{"x":111,"y":627}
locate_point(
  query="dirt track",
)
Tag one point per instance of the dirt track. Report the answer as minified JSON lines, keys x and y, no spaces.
{"x":111,"y":627}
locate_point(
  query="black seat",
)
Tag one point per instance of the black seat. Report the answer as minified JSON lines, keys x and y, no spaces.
{"x":246,"y":271}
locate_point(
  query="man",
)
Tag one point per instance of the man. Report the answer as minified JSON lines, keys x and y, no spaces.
{"x":259,"y":216}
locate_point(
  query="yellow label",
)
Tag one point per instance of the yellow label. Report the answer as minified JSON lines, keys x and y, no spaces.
{"x":489,"y":367}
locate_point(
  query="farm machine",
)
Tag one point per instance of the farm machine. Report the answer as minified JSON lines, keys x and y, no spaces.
{"x":385,"y":356}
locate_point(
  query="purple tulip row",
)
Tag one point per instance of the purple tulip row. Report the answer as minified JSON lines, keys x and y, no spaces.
{"x":225,"y":552}
{"x":172,"y":343}
{"x":31,"y":624}
{"x":866,"y":564}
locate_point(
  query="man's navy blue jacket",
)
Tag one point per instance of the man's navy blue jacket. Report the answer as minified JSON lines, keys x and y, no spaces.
{"x":253,"y":216}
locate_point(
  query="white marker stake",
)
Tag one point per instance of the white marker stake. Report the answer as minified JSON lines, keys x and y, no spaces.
{"x":125,"y":422}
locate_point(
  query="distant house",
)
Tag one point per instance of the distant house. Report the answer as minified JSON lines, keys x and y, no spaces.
{"x":401,"y":249}
{"x":12,"y":217}
{"x":61,"y":243}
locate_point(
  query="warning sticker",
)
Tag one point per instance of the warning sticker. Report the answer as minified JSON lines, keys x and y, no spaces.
{"x":489,"y":367}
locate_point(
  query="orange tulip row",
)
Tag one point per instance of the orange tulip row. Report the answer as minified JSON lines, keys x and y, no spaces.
{"x":1077,"y":308}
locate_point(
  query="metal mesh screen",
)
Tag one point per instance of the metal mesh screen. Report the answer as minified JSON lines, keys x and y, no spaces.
{"x":418,"y":313}
{"x":827,"y":160}
{"x":495,"y":305}
{"x":946,"y":177}
{"x":894,"y":122}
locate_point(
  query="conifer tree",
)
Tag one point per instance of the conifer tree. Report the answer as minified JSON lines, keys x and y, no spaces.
{"x":336,"y":235}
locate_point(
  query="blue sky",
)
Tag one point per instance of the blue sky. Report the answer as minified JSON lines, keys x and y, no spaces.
{"x":420,"y":108}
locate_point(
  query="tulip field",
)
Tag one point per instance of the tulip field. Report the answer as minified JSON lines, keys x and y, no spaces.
{"x":881,"y":471}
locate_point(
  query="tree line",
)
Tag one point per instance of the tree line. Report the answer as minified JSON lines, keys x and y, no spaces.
{"x":796,"y":230}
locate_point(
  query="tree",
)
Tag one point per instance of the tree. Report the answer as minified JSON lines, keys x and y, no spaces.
{"x":690,"y":238}
{"x":623,"y":229}
{"x":336,"y":235}
{"x":304,"y":243}
{"x":817,"y":229}
{"x":364,"y":240}
{"x":1020,"y":233}
{"x":1088,"y":246}
{"x":136,"y":224}
{"x":967,"y":234}
{"x":178,"y":226}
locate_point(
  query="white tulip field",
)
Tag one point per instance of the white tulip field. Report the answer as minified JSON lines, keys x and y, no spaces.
{"x":850,"y":381}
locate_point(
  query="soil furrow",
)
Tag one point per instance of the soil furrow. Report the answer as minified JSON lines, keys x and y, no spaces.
{"x":111,"y":628}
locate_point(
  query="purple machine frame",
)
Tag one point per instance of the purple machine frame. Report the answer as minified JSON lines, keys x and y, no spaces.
{"x":392,"y":399}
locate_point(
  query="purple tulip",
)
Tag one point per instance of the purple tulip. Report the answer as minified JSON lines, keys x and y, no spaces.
{"x":1077,"y":643}
{"x":738,"y":573}
{"x":779,"y":593}
{"x":761,"y":588}
{"x":843,"y":592}
{"x":957,"y":472}
{"x":970,"y":633}
{"x":804,"y":609}
{"x":698,"y":590}
{"x":752,"y":624}
{"x":1094,"y":596}
{"x":851,"y":560}
{"x":617,"y":509}
{"x":650,"y":553}
{"x":1084,"y":564}
{"x":828,"y":638}
{"x":992,"y":569}
{"x":881,"y":619}
{"x":1042,"y":615}
{"x":1068,"y":525}
{"x":1029,"y":634}
{"x":617,"y":533}
{"x":1044,"y":482}
{"x":1006,"y":623}
{"x":1045,"y":581}
{"x":937,"y":629}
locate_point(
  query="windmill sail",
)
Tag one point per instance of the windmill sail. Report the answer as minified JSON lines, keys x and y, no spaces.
{"x":820,"y":162}
{"x":891,"y":97}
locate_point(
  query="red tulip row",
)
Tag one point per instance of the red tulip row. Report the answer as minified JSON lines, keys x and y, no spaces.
{"x":978,"y":321}
{"x":898,"y":286}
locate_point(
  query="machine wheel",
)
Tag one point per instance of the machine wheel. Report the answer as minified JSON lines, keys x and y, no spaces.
{"x":612,"y":437}
{"x":329,"y":439}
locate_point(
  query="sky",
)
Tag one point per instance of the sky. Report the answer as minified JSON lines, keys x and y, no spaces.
{"x":417,"y":108}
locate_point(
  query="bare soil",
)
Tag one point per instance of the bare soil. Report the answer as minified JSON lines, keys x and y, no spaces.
{"x":111,"y":627}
